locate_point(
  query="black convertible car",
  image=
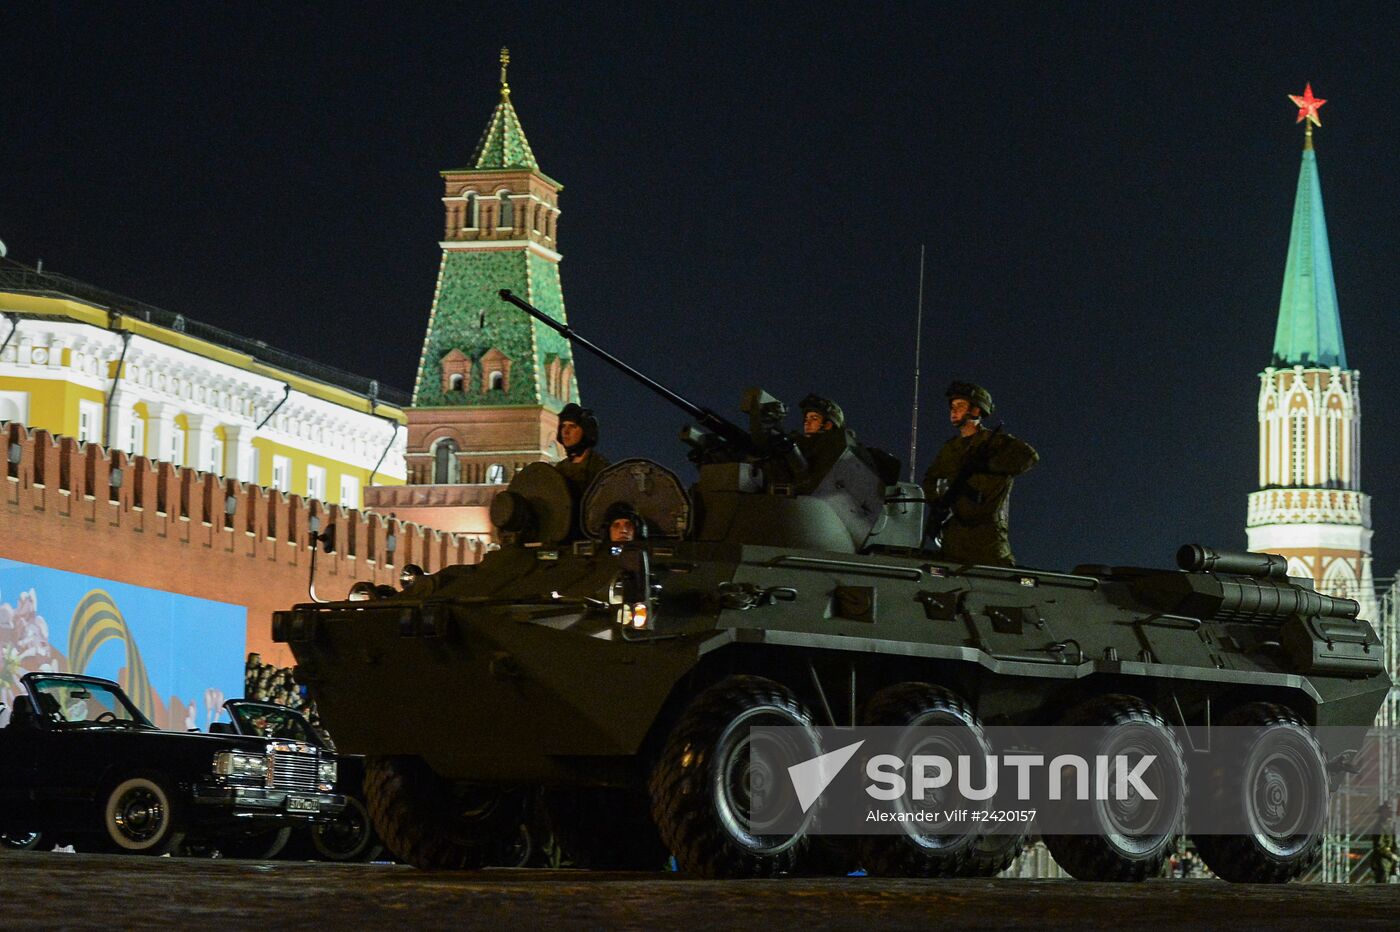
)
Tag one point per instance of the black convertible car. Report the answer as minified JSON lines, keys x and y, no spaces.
{"x":351,"y":836}
{"x":80,"y":764}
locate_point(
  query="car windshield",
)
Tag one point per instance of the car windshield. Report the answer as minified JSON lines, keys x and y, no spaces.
{"x":271,"y":721}
{"x":75,"y":702}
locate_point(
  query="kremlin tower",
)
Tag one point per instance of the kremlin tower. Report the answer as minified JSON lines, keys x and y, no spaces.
{"x":1310,"y":507}
{"x":491,"y":380}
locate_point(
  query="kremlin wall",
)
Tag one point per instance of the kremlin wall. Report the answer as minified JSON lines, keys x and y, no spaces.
{"x":180,"y":530}
{"x":110,"y":518}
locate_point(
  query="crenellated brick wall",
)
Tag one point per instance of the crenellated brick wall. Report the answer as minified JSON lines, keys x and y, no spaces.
{"x":180,"y":530}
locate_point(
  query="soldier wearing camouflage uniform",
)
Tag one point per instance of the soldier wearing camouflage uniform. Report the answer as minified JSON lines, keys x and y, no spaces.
{"x":970,"y":481}
{"x":1383,"y":854}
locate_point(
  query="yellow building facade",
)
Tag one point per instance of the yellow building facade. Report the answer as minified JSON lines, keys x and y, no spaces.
{"x":83,"y":363}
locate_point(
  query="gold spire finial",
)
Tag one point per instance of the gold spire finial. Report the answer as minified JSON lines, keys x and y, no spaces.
{"x":505,"y":63}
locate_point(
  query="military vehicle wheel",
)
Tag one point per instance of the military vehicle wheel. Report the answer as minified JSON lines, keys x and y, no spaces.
{"x":427,"y":822}
{"x":1128,"y":839}
{"x":603,"y":829}
{"x":701,"y":786}
{"x":1277,"y":778}
{"x":913,"y":853}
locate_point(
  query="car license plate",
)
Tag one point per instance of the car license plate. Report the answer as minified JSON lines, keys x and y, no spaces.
{"x":302,"y":804}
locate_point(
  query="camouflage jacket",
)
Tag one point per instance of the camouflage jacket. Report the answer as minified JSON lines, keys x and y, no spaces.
{"x":978,"y":529}
{"x":579,"y":477}
{"x":1384,"y":845}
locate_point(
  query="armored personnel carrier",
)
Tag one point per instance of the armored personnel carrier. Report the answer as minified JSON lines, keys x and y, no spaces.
{"x":606,"y":689}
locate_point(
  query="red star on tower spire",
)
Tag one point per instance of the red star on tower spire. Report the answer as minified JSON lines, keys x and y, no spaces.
{"x":1307,"y":106}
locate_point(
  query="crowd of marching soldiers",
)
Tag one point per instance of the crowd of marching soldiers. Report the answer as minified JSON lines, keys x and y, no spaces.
{"x":968,"y":485}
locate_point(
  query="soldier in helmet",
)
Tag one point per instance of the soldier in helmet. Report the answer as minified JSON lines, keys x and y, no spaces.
{"x":578,"y":435}
{"x":824,"y":439}
{"x":622,"y":523}
{"x":820,"y":415}
{"x":970,"y":481}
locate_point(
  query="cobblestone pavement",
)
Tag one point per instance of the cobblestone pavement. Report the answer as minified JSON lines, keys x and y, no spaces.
{"x":79,"y":891}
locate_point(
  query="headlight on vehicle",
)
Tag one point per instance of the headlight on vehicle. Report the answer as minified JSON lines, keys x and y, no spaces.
{"x":636,"y":616}
{"x":362,"y":591}
{"x":240,"y":764}
{"x":325,"y":774}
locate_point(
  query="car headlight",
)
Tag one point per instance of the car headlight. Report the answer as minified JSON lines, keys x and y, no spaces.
{"x":325,"y":774}
{"x":240,"y":764}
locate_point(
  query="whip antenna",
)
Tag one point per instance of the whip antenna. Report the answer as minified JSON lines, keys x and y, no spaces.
{"x":918,"y":346}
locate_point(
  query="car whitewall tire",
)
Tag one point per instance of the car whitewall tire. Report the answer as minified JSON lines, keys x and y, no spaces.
{"x":139,"y":816}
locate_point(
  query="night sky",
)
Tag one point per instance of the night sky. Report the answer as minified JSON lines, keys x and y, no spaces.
{"x":1105,"y":194}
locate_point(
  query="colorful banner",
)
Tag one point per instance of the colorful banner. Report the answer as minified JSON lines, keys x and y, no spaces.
{"x":176,"y":656}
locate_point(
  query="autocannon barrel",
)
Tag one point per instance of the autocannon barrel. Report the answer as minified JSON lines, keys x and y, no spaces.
{"x":1225,"y":586}
{"x":1265,"y":600}
{"x":1197,"y":559}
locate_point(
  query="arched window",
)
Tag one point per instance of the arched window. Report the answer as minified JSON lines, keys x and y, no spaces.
{"x":454,"y":384}
{"x":445,"y":461}
{"x":469,"y":215}
{"x":507,"y":212}
{"x":498,"y":381}
{"x":496,"y":474}
{"x":1340,"y":580}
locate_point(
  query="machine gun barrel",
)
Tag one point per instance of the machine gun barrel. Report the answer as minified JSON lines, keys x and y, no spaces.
{"x":716,"y":423}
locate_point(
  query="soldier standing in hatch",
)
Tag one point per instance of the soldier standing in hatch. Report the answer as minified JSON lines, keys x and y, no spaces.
{"x":578,"y":435}
{"x":824,"y":439}
{"x":970,"y":481}
{"x":622,"y":523}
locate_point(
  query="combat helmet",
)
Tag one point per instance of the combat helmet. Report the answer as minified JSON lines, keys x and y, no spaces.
{"x":827,"y":408}
{"x":624,"y":510}
{"x":584,"y":418}
{"x":973,"y":394}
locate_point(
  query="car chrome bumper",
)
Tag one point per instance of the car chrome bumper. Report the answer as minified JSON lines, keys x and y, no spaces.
{"x":260,"y":801}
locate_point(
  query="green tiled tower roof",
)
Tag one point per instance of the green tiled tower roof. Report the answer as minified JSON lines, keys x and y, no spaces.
{"x":503,"y":145}
{"x":482,"y":255}
{"x":1309,"y":325}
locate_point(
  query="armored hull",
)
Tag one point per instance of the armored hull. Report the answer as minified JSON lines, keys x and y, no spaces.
{"x":521,"y":671}
{"x":528,"y":661}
